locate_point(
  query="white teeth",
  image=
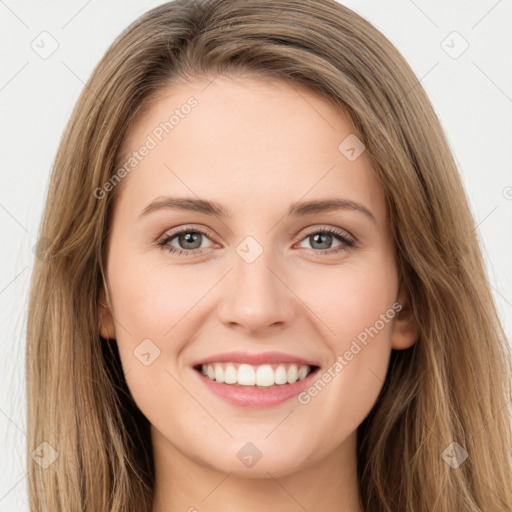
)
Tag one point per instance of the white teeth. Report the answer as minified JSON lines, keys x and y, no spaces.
{"x":219,"y":373}
{"x":280,"y":376}
{"x":292,"y":374}
{"x":303,"y":372}
{"x":230,"y":374}
{"x":246,"y":376}
{"x":265,"y":375}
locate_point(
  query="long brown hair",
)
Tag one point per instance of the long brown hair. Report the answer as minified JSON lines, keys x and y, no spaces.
{"x":452,"y":386}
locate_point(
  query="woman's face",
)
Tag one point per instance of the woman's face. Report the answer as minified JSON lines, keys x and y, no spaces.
{"x":253,"y":271}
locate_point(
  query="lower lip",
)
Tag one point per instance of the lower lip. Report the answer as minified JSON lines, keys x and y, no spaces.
{"x":249,"y":396}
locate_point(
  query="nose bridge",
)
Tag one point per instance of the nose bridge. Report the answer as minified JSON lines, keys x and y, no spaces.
{"x":257,"y":297}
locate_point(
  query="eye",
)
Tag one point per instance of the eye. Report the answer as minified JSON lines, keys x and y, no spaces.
{"x":322,"y":239}
{"x":189,"y":241}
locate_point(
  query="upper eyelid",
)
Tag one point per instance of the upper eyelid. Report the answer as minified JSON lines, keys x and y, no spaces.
{"x":321,"y":227}
{"x":171,"y":233}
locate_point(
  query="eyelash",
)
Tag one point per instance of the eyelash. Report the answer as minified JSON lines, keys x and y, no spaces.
{"x":348,"y":241}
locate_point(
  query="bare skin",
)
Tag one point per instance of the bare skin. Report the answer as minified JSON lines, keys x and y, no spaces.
{"x":255,"y":147}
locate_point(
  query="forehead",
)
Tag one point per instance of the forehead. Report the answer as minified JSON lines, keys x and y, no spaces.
{"x":247,"y":138}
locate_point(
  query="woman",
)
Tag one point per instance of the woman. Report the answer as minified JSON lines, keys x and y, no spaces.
{"x":369,"y":373}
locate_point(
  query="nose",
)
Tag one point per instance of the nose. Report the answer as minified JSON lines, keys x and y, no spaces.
{"x":256,"y":298}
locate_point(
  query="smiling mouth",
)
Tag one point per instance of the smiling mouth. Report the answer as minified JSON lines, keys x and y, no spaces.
{"x":265,"y":376}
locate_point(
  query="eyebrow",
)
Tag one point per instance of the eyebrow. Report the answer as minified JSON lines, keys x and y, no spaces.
{"x":298,"y":209}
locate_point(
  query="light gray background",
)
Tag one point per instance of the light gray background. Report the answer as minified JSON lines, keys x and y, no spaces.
{"x":472,"y":95}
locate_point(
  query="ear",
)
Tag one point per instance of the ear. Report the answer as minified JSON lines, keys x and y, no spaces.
{"x":105,"y":320}
{"x":406,"y":330}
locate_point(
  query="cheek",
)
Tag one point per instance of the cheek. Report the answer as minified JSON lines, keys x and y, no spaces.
{"x":347,"y":299}
{"x":355,"y":306}
{"x":156,"y":316}
{"x":151,"y":299}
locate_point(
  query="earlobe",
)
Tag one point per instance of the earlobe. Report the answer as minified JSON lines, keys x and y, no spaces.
{"x":105,"y":320}
{"x":406,"y":330}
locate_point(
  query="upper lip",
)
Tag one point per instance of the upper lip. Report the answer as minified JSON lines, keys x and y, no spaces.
{"x":255,"y":359}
